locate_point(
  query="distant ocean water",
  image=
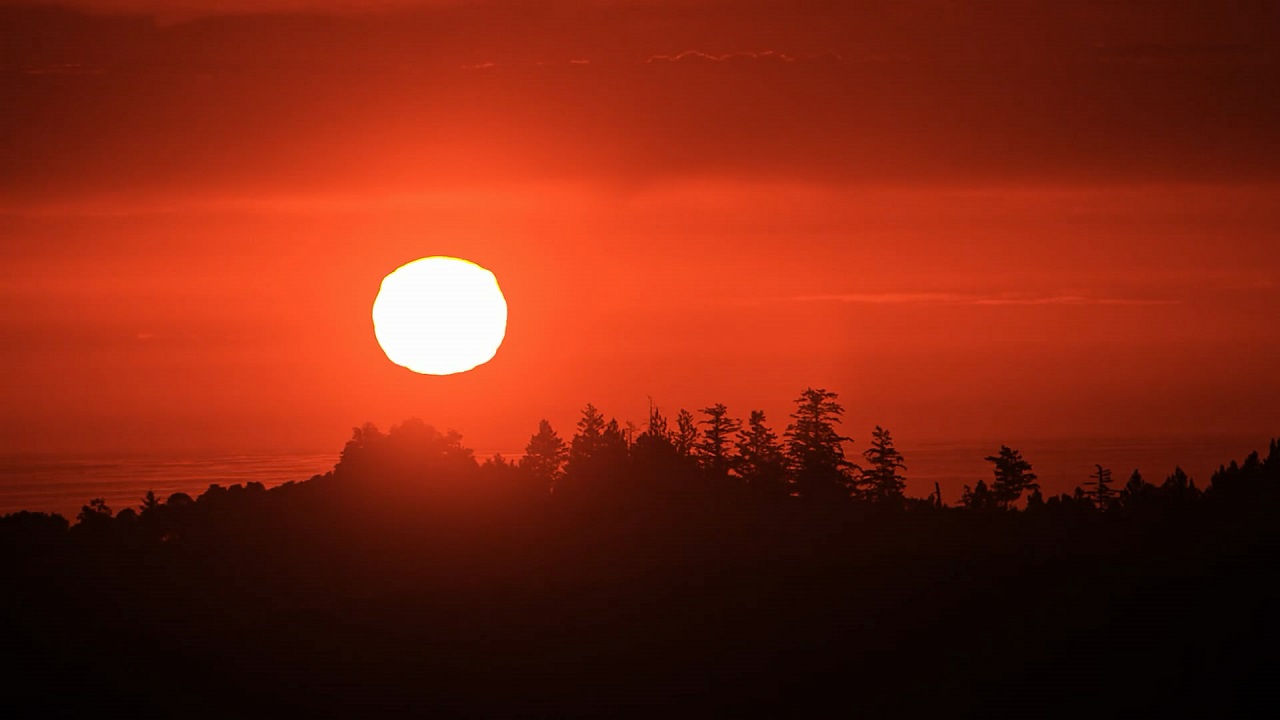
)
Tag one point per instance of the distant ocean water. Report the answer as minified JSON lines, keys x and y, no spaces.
{"x":53,"y":483}
{"x":62,"y":483}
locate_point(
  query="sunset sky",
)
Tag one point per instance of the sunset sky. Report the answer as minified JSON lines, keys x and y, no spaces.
{"x":975,"y":220}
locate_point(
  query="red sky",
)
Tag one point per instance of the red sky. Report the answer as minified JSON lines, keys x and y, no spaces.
{"x":975,"y":220}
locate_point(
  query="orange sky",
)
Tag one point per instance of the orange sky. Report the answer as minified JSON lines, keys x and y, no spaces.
{"x":974,"y":220}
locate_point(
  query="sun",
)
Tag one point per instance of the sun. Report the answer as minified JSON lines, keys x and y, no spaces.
{"x":440,"y":315}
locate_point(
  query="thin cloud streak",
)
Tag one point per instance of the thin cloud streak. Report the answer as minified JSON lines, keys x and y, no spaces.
{"x":979,"y":300}
{"x":708,"y":57}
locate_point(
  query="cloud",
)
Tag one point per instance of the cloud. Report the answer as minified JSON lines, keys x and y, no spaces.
{"x":699,"y":56}
{"x":450,"y":96}
{"x":928,"y":298}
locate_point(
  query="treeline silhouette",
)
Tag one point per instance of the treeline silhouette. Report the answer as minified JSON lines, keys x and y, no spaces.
{"x":698,"y":565}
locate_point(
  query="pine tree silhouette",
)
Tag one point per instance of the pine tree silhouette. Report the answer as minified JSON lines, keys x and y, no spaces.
{"x":760,"y":461}
{"x":545,"y":456}
{"x":686,"y":433}
{"x":1098,"y":487}
{"x":1013,"y":477}
{"x":814,"y":449}
{"x":881,"y":480}
{"x":715,"y":445}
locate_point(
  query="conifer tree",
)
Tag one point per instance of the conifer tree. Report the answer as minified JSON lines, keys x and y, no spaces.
{"x":760,"y":461}
{"x":1178,"y":488}
{"x":1013,"y":477}
{"x":654,"y":457}
{"x":1135,"y":492}
{"x":656,"y":437}
{"x":978,"y":497}
{"x":545,"y":455}
{"x":586,"y":443}
{"x":715,"y":443}
{"x":657,"y":426}
{"x":686,"y":433}
{"x":149,"y":503}
{"x":882,"y":480}
{"x":814,"y":449}
{"x":597,"y":453}
{"x":1099,"y":488}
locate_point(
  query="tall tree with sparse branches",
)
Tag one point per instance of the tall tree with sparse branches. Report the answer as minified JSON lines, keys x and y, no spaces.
{"x":1098,"y":487}
{"x":686,"y":433}
{"x":715,"y":443}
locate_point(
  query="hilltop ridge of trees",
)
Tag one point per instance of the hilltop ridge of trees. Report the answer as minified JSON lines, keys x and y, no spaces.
{"x":703,"y":566}
{"x":708,"y":459}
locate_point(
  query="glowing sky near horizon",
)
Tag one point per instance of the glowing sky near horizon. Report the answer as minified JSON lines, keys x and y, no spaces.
{"x":977,"y":220}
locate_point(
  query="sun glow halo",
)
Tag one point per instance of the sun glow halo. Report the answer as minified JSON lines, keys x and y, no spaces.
{"x":440,"y":315}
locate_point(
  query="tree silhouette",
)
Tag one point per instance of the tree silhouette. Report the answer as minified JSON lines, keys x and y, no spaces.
{"x":1100,"y":490}
{"x":656,"y":462}
{"x":814,"y":450}
{"x":545,"y":455}
{"x":97,"y":508}
{"x":179,"y":500}
{"x":504,"y":476}
{"x":686,"y":434}
{"x":31,"y":529}
{"x":881,"y":480}
{"x":657,"y":425}
{"x":94,"y":517}
{"x":412,"y":456}
{"x":760,"y":461}
{"x":149,"y":503}
{"x":357,"y":455}
{"x":1243,"y":483}
{"x":1035,"y":500}
{"x":658,"y":570}
{"x":656,"y":434}
{"x":597,"y":452}
{"x":1136,"y":492}
{"x":588,"y":441}
{"x":613,"y":446}
{"x":716,"y":440}
{"x":1013,"y":477}
{"x":979,"y":497}
{"x":155,"y":516}
{"x":1178,"y":488}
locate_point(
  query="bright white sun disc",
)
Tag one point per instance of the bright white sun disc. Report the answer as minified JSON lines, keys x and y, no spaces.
{"x":440,"y":315}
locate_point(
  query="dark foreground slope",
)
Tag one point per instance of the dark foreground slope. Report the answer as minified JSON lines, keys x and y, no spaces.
{"x":346,"y":598}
